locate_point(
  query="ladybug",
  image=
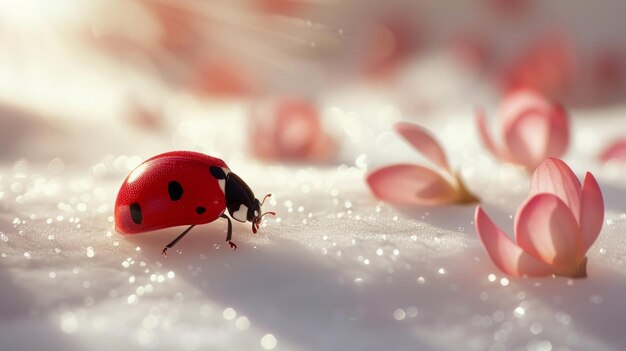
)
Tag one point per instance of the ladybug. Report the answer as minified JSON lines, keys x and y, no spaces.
{"x":184,"y":188}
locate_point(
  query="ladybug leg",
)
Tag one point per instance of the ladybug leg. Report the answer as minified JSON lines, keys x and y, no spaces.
{"x":229,"y":233}
{"x":170,"y":245}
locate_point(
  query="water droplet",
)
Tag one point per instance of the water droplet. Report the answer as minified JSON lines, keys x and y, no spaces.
{"x":150,"y":322}
{"x":411,"y":311}
{"x":269,"y":342}
{"x":16,"y":187}
{"x":399,"y":314}
{"x":504,"y":281}
{"x":543,"y":346}
{"x":536,"y":328}
{"x":229,"y":313}
{"x":90,"y":252}
{"x":69,"y":324}
{"x":132,"y":299}
{"x":242,"y":323}
{"x":597,"y":299}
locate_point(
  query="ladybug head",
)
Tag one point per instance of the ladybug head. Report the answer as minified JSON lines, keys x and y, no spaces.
{"x":257,"y":215}
{"x":241,"y":202}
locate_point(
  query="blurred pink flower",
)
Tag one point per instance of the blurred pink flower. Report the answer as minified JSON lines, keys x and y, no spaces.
{"x":510,"y":7}
{"x":418,"y":185}
{"x":471,"y":50}
{"x":554,"y":228}
{"x":280,"y":7}
{"x":392,"y":40}
{"x":615,"y":151}
{"x":547,"y":67}
{"x":145,"y":116}
{"x":533,"y":129}
{"x":608,"y":71}
{"x":223,"y":77}
{"x":290,"y":129}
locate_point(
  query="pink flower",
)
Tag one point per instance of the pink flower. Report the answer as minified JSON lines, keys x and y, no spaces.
{"x":615,"y":151}
{"x":418,"y":185}
{"x":223,"y":77}
{"x":391,"y":41}
{"x":554,"y":228}
{"x":290,"y":129}
{"x":548,"y":67}
{"x":533,"y":129}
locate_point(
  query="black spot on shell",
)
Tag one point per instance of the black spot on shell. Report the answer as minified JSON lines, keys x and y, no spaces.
{"x":175,"y":190}
{"x":217,"y":172}
{"x":135,"y":213}
{"x":200,"y":210}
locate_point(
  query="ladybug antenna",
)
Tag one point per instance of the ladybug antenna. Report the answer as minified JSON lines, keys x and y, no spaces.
{"x":257,"y":221}
{"x":264,"y":198}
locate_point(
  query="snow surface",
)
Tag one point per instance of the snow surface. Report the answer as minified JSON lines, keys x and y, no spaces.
{"x":334,"y":270}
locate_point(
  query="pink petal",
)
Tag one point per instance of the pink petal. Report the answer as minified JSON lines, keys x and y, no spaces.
{"x":517,"y":102}
{"x":558,"y":138}
{"x":591,"y":211}
{"x":483,"y":131}
{"x":615,"y":151}
{"x":535,"y":129}
{"x":527,"y":139}
{"x":555,"y":177}
{"x":546,"y":229}
{"x":424,"y":143}
{"x":509,"y":257}
{"x":411,"y":184}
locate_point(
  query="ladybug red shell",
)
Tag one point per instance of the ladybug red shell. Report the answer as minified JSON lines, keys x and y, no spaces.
{"x":183,"y":188}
